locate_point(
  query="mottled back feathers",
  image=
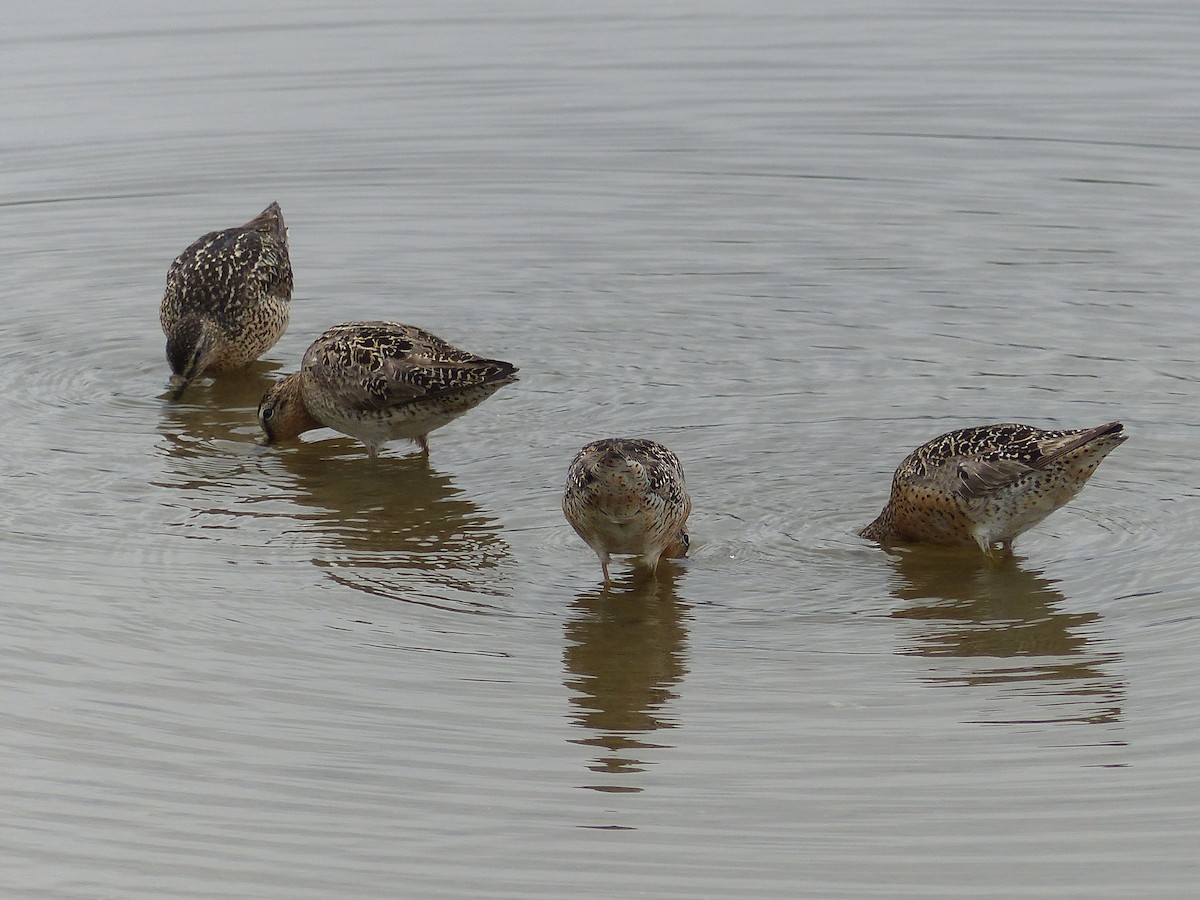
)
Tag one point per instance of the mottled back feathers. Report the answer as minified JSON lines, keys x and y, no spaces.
{"x":380,"y":381}
{"x":226,"y":299}
{"x":372,"y":366}
{"x":627,"y":495}
{"x":988,"y":484}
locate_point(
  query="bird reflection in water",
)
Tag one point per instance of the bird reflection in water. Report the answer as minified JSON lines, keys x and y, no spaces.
{"x":370,"y":524}
{"x":378,"y":522}
{"x":1006,"y":622}
{"x":221,"y":409}
{"x":625,"y":652}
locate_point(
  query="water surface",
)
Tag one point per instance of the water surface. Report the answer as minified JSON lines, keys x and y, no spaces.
{"x":792,"y":241}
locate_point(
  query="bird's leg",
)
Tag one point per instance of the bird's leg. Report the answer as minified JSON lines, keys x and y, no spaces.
{"x":422,"y":442}
{"x":645,"y":568}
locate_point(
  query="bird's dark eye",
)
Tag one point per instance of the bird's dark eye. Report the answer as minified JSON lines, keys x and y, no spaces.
{"x":267,"y":413}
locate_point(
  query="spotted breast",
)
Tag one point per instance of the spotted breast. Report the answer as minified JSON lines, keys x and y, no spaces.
{"x":227,"y":298}
{"x":987,"y":485}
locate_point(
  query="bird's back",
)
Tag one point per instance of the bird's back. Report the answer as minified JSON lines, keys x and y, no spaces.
{"x":380,"y":381}
{"x":229,"y":288}
{"x":989,"y":484}
{"x":627,"y":495}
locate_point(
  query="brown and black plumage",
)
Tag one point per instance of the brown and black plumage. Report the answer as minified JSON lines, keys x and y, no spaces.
{"x":987,"y":485}
{"x":226,"y":301}
{"x":378,"y":382}
{"x":628,"y":496}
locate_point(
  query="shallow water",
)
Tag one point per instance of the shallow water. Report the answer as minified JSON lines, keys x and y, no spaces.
{"x":792,"y":242}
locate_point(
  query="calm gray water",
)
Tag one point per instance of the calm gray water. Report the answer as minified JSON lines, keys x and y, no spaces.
{"x":790,"y":240}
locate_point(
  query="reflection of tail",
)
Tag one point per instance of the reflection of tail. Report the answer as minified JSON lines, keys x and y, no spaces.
{"x":624,"y":655}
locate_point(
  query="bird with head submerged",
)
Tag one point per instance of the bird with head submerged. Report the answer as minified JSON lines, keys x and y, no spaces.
{"x":227,"y":298}
{"x":628,"y":496}
{"x":985,"y":486}
{"x":379,"y":382}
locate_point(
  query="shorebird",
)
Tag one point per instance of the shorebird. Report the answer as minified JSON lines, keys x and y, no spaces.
{"x":627,"y":495}
{"x":226,"y":301}
{"x":986,"y":485}
{"x":378,"y":382}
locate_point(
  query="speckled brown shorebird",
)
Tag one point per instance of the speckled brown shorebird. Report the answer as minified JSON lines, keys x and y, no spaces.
{"x":226,"y":301}
{"x":987,"y":485}
{"x":627,"y":495}
{"x":378,"y":382}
